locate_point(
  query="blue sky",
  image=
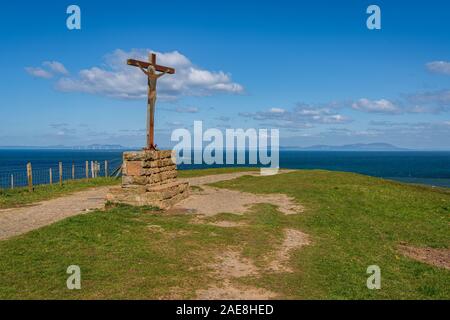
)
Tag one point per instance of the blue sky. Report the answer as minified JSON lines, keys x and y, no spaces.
{"x":312,"y":69}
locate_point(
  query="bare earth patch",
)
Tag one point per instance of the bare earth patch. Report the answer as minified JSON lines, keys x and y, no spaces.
{"x":230,"y":292}
{"x":209,"y":201}
{"x":436,"y":257}
{"x":227,"y":224}
{"x":155,"y":228}
{"x":293,"y":239}
{"x":230,"y":265}
{"x":212,"y":201}
{"x":221,"y":223}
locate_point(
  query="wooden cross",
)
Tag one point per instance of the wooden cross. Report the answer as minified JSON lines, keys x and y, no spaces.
{"x":150,"y":68}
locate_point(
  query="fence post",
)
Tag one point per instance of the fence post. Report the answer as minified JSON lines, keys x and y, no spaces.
{"x":92,"y":169}
{"x":60,"y":174}
{"x":73,"y":171}
{"x":50,"y":172}
{"x":30,"y":177}
{"x":12,"y":181}
{"x":106,"y":168}
{"x":87,"y":169}
{"x":98,"y":169}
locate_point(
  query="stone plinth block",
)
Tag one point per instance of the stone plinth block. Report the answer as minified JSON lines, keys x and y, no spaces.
{"x":149,"y":178}
{"x":164,"y":199}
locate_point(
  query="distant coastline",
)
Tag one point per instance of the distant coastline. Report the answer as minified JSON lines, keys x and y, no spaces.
{"x":356,"y":147}
{"x":423,"y":167}
{"x":363,"y":147}
{"x":62,"y":147}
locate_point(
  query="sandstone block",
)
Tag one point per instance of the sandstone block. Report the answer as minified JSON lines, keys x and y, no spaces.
{"x":149,"y":171}
{"x":158,"y":163}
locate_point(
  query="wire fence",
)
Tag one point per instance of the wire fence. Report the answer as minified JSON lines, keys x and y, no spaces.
{"x":58,"y":172}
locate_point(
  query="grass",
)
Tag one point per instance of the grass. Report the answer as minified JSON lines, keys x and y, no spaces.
{"x":354,"y":221}
{"x":206,"y":172}
{"x":21,"y":196}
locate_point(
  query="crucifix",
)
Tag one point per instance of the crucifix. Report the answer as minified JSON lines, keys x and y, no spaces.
{"x":150,"y":68}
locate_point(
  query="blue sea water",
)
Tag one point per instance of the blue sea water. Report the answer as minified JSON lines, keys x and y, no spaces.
{"x":13,"y":163}
{"x":432,"y":168}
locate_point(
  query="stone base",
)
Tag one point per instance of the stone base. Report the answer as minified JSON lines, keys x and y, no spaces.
{"x":163,"y":196}
{"x":149,"y":179}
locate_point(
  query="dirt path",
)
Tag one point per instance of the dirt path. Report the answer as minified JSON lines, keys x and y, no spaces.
{"x":228,"y":267}
{"x":198,"y":181}
{"x":209,"y":201}
{"x":436,"y":257}
{"x":15,"y":221}
{"x":293,"y":240}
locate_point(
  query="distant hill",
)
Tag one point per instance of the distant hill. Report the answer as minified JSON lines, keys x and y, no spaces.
{"x":356,"y":147}
{"x":347,"y":147}
{"x":89,"y":147}
{"x":102,"y":147}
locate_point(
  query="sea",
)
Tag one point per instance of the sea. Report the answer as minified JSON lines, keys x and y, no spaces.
{"x":418,"y":167}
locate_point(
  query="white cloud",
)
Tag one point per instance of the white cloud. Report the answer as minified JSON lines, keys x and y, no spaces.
{"x":440,"y":97}
{"x":38,"y":72}
{"x":336,"y":132}
{"x":417,"y":103}
{"x":375,"y":106}
{"x":430,"y":102}
{"x":223,"y":118}
{"x":187,"y":110}
{"x":301,"y":117}
{"x":50,"y":68}
{"x":117,"y":79}
{"x":56,"y":67}
{"x":276,"y":110}
{"x":439,"y":67}
{"x":336,"y":118}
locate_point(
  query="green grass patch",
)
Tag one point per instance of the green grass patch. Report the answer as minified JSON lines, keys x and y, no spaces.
{"x":140,"y":253}
{"x":21,"y":196}
{"x":210,"y":171}
{"x":356,"y":221}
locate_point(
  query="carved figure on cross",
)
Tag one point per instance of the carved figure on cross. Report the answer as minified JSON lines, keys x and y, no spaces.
{"x":150,"y":69}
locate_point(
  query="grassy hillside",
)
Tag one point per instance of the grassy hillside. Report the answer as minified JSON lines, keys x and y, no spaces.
{"x":354,"y":221}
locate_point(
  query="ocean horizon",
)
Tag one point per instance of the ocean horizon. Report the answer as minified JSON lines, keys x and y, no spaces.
{"x":419,"y":167}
